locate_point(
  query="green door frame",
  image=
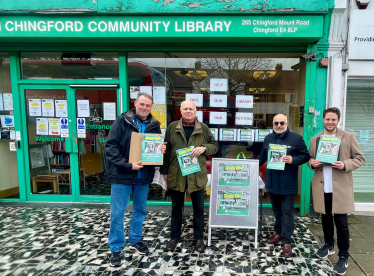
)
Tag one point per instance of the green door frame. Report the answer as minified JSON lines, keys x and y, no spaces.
{"x":17,"y":82}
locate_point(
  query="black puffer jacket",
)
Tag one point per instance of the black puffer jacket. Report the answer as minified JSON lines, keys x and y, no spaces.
{"x":285,"y":182}
{"x":117,"y":150}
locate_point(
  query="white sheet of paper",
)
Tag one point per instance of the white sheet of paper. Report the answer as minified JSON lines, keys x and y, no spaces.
{"x":146,"y":89}
{"x":243,"y":118}
{"x":35,"y":107}
{"x":42,"y":126}
{"x":1,"y":102}
{"x":12,"y":146}
{"x":244,"y":101}
{"x":48,"y":108}
{"x":12,"y":134}
{"x":159,"y":95}
{"x":218,"y":118}
{"x":18,"y":135}
{"x":227,"y":134}
{"x":109,"y":111}
{"x":81,"y":127}
{"x":218,"y":85}
{"x":8,"y":101}
{"x":37,"y":157}
{"x":199,"y":115}
{"x":54,"y":126}
{"x":134,"y":91}
{"x":83,"y":108}
{"x":196,"y":98}
{"x":61,"y":108}
{"x":64,"y":123}
{"x":218,"y":100}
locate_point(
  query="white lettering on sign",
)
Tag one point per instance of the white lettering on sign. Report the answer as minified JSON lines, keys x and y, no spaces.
{"x":219,"y":85}
{"x":196,"y":98}
{"x":243,"y":118}
{"x":244,"y":101}
{"x":217,"y":118}
{"x":218,"y":100}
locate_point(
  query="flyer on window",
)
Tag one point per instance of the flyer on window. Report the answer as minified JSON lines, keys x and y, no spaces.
{"x":151,"y":148}
{"x":48,"y":108}
{"x":328,"y":149}
{"x":234,"y":175}
{"x":214,"y":132}
{"x":275,"y":157}
{"x":8,"y":101}
{"x":54,"y":126}
{"x":35,"y":107}
{"x":41,"y":126}
{"x":262,"y":133}
{"x":233,"y":203}
{"x":245,"y":135}
{"x":227,"y":134}
{"x":61,"y":108}
{"x":187,"y":162}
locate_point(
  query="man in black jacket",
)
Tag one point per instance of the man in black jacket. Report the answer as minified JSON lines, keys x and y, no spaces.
{"x":283,"y":184}
{"x":129,"y":177}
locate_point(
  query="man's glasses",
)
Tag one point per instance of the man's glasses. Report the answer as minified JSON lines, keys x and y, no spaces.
{"x":279,"y":123}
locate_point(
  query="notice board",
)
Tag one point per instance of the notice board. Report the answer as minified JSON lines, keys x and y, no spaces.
{"x":234,"y":193}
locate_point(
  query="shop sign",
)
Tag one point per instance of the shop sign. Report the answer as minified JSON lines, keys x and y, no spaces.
{"x":361,"y":38}
{"x":163,"y":26}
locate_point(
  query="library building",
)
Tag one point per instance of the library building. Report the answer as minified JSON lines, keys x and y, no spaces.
{"x":64,"y":79}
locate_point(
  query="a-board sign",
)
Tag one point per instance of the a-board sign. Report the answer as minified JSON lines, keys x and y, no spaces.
{"x":234,"y":194}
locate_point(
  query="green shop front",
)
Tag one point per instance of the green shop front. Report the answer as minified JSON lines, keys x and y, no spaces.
{"x":65,"y":78}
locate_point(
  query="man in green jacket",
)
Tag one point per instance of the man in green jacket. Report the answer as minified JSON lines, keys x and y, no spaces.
{"x":187,"y":132}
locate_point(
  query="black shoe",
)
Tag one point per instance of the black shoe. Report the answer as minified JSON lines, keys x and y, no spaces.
{"x":200,"y":246}
{"x":140,"y":247}
{"x":341,"y":267}
{"x":325,"y":251}
{"x":172,"y":244}
{"x":116,"y":259}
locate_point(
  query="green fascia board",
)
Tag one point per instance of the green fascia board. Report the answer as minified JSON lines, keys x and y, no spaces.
{"x":164,"y":6}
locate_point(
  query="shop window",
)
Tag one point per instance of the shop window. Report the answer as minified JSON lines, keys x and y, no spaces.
{"x":9,"y":187}
{"x":69,"y":65}
{"x":258,"y":86}
{"x":359,"y":119}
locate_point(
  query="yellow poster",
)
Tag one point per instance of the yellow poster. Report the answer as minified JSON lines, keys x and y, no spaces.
{"x":159,"y":112}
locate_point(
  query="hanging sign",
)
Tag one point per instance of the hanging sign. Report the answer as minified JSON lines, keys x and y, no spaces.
{"x":61,"y":108}
{"x":243,"y":118}
{"x":42,"y":126}
{"x":218,"y":85}
{"x":48,"y":108}
{"x":83,"y":108}
{"x":196,"y":98}
{"x":218,"y":118}
{"x":81,"y":127}
{"x":218,"y":100}
{"x":54,"y":126}
{"x":243,"y":101}
{"x":64,"y":127}
{"x":35,"y":107}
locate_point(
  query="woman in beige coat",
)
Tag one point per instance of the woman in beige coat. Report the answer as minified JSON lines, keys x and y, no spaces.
{"x":332,"y":187}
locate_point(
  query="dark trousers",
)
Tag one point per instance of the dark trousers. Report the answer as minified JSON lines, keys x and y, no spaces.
{"x":177,"y":199}
{"x":283,"y":209}
{"x":342,"y":230}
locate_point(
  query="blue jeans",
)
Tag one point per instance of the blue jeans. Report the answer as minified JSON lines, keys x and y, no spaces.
{"x":283,"y":209}
{"x":120,"y":196}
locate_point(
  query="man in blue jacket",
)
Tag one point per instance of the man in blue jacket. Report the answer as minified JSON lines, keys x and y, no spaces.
{"x":283,"y":184}
{"x":129,"y":177}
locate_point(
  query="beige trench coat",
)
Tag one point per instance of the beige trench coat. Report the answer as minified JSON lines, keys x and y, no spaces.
{"x":342,"y":182}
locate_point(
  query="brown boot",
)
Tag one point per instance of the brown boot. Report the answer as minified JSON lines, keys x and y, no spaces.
{"x":287,"y":250}
{"x":274,"y":239}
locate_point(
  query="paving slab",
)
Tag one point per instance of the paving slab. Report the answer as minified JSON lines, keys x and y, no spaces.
{"x":366,"y":262}
{"x":361,"y":246}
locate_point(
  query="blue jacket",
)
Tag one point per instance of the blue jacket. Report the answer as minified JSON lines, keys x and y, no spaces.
{"x":117,"y":150}
{"x":285,"y":182}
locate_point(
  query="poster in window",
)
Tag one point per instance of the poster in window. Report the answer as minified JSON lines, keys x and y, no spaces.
{"x":243,"y":118}
{"x":42,"y":126}
{"x":199,"y":115}
{"x":214,"y":133}
{"x":83,"y":107}
{"x":246,"y":135}
{"x":134,"y":92}
{"x":244,"y":101}
{"x":218,"y":118}
{"x":196,"y":98}
{"x":35,"y":107}
{"x":1,"y":102}
{"x":61,"y":108}
{"x":227,"y":134}
{"x":8,"y":101}
{"x":48,"y":108}
{"x":159,"y":112}
{"x":233,"y":203}
{"x":37,"y":157}
{"x":159,"y":95}
{"x":217,"y":85}
{"x":364,"y":136}
{"x":54,"y":126}
{"x":218,"y":100}
{"x":146,"y":90}
{"x":109,"y":111}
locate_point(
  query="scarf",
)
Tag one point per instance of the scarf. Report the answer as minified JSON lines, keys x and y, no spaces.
{"x":188,"y":124}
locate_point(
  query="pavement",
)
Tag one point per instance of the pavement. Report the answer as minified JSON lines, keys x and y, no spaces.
{"x":71,"y":239}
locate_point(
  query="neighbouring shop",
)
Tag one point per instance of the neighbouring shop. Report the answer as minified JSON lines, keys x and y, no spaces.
{"x":65,"y":78}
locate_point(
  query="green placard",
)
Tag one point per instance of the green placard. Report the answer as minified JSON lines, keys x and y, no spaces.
{"x":233,"y":203}
{"x":187,"y":162}
{"x":287,"y":26}
{"x":151,"y":151}
{"x":275,"y":157}
{"x":328,"y":149}
{"x":234,"y":175}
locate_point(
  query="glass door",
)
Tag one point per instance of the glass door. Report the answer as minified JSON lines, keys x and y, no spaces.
{"x":48,"y":145}
{"x":95,"y":110}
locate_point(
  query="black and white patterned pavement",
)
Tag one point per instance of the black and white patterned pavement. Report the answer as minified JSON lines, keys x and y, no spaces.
{"x":63,"y":241}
